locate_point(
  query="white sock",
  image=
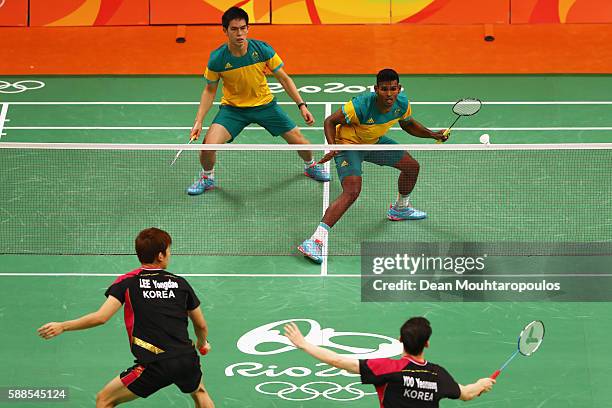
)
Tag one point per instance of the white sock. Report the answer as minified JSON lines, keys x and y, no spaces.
{"x":321,"y":233}
{"x":403,"y":201}
{"x":309,"y":163}
{"x":208,"y":173}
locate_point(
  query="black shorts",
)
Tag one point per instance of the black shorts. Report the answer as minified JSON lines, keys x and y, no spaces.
{"x":146,"y":379}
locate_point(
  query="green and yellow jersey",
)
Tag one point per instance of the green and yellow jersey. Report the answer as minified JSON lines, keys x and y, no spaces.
{"x":244,"y":78}
{"x":366,"y":124}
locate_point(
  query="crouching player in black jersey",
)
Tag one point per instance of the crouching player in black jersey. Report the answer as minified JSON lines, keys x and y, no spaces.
{"x":156,"y":306}
{"x":408,"y":382}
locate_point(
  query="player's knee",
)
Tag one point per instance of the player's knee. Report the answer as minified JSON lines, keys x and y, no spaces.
{"x":199,"y":389}
{"x":196,"y":395}
{"x":217,"y":134}
{"x":207,"y":153}
{"x":295,"y":136}
{"x":411,"y":166}
{"x":415,"y":166}
{"x":201,"y":398}
{"x":351,"y":188}
{"x":352,"y":193}
{"x":102,"y":400}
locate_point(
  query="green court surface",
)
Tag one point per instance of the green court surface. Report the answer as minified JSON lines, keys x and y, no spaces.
{"x":89,"y":203}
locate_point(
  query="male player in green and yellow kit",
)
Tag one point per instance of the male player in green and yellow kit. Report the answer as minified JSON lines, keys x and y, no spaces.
{"x":242,"y":65}
{"x":365,"y":120}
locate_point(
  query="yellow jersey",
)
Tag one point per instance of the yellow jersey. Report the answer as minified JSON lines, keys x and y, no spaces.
{"x":244,"y":78}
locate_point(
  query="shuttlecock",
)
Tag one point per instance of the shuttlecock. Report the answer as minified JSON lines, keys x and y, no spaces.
{"x":484,"y":139}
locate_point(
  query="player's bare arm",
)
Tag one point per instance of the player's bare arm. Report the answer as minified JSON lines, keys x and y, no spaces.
{"x":289,"y":87}
{"x":200,"y":328}
{"x":206,"y":102}
{"x":414,"y":128}
{"x":330,"y":123}
{"x":292,"y":332}
{"x":329,"y":128}
{"x":471,"y":391}
{"x":97,"y":318}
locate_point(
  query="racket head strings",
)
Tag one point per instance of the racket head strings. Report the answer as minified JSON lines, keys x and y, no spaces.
{"x":467,"y":107}
{"x":531,"y":338}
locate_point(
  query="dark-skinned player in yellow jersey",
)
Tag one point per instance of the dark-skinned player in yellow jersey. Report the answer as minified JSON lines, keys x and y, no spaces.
{"x":365,"y":120}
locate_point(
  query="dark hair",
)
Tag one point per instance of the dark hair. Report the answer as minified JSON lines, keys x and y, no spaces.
{"x":150,"y":242}
{"x":414,"y":334}
{"x":234,"y":13}
{"x":386,"y":75}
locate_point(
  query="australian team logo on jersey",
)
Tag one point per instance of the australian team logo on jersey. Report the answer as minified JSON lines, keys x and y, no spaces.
{"x":370,"y":121}
{"x":228,"y":66}
{"x":255,"y":56}
{"x":397,"y":111}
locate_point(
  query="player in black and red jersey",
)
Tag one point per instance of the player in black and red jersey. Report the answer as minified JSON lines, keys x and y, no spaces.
{"x":156,"y":306}
{"x":408,"y":382}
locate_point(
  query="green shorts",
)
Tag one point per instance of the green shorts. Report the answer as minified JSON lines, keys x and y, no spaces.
{"x":269,"y":116}
{"x":348,"y":162}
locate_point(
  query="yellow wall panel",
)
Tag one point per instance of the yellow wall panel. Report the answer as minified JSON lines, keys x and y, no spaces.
{"x":292,"y":13}
{"x":331,"y":12}
{"x":450,"y":11}
{"x":206,"y":11}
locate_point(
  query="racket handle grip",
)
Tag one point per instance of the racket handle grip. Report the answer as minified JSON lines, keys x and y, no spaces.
{"x":204,"y":350}
{"x":495,"y":374}
{"x":446,"y":132}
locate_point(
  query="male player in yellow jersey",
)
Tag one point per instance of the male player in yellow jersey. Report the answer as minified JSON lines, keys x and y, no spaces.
{"x":365,"y":120}
{"x":242,"y":65}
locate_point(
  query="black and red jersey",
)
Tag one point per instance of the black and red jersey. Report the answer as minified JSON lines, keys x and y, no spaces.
{"x":155,"y":304}
{"x":407,"y":383}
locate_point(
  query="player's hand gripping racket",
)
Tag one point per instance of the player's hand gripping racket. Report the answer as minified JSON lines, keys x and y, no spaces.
{"x":181,"y":151}
{"x":463,"y":107}
{"x":529,"y":342}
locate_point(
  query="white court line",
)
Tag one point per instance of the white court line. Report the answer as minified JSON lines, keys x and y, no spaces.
{"x":3,"y":113}
{"x":311,"y":103}
{"x":312,"y":147}
{"x":328,"y":111}
{"x":502,"y":129}
{"x":299,"y":275}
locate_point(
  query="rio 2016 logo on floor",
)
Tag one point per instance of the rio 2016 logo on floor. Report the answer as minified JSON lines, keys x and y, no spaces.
{"x":268,"y":340}
{"x":329,"y":87}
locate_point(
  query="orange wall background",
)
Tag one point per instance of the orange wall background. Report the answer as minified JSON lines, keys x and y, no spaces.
{"x":14,"y":13}
{"x":561,"y":11}
{"x":315,"y":12}
{"x":88,"y":12}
